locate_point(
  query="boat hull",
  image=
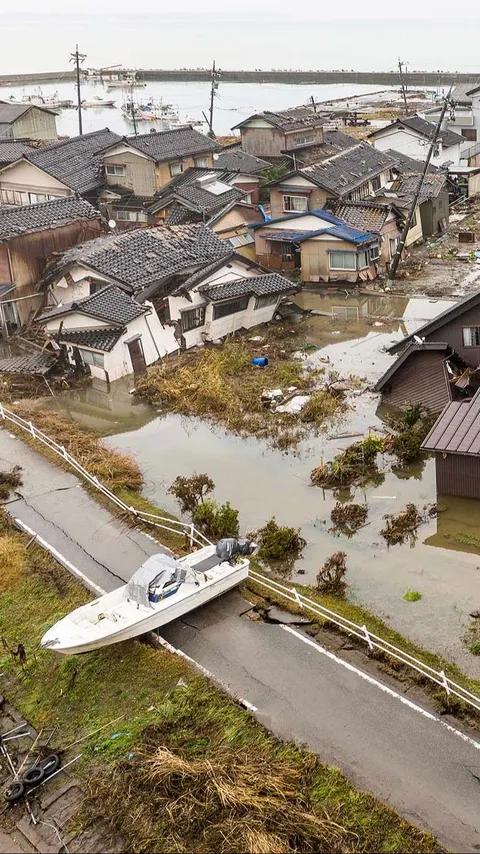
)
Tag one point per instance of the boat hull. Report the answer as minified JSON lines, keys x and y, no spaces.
{"x":64,"y":637}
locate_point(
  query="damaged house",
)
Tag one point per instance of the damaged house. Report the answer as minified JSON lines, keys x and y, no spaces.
{"x":29,"y":235}
{"x":412,"y":136}
{"x":268,"y":134}
{"x":321,"y":246}
{"x":440,"y":362}
{"x":196,"y":288}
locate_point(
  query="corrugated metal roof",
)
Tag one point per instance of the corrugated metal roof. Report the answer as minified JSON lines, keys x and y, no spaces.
{"x":457,"y":431}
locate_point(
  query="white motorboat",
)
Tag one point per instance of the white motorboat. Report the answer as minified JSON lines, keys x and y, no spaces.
{"x":162,"y":590}
{"x":98,"y":102}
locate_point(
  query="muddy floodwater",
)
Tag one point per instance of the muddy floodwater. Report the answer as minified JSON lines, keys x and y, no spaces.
{"x":443,"y":563}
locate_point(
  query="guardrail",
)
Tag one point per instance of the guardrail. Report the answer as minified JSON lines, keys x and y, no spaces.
{"x":291,"y":594}
{"x":166,"y":524}
{"x":374,"y":642}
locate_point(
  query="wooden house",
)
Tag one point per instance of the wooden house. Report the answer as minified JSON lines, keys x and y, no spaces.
{"x":455,"y":441}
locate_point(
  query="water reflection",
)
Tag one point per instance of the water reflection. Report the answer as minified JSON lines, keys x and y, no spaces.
{"x":458,"y":525}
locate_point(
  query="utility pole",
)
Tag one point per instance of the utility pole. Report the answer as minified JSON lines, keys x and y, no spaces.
{"x":406,"y":227}
{"x":314,"y":105}
{"x":404,"y":86}
{"x":216,"y":73}
{"x":131,"y":106}
{"x":77,"y":58}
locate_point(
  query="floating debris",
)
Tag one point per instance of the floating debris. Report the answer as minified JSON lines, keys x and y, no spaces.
{"x":330,"y":578}
{"x":348,"y":518}
{"x":402,"y":526}
{"x":357,"y":464}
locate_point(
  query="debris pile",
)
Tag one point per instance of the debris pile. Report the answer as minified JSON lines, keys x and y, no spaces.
{"x":413,"y":424}
{"x":348,"y":518}
{"x":9,"y":480}
{"x":402,"y":526}
{"x":356,"y":465}
{"x":331,"y":577}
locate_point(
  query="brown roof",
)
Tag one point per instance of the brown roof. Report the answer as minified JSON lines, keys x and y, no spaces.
{"x":457,"y":430}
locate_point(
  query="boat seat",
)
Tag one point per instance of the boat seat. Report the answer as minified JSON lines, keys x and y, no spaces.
{"x":207,"y":563}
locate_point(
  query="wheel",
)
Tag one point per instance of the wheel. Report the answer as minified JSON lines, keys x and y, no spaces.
{"x":15,"y":792}
{"x":50,"y":764}
{"x":33,"y":776}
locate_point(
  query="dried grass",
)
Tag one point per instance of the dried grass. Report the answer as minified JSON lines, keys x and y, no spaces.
{"x":357,"y":464}
{"x":8,"y":481}
{"x":13,"y":561}
{"x":403,"y":526}
{"x":242,"y":801}
{"x":115,"y":470}
{"x":348,"y":518}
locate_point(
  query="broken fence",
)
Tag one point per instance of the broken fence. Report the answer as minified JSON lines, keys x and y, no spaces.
{"x":157,"y":521}
{"x":374,"y":642}
{"x":291,"y":594}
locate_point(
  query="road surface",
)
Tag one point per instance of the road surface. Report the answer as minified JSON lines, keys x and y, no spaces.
{"x":422,"y":765}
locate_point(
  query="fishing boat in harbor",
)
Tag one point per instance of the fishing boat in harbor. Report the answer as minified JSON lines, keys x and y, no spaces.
{"x":162,"y":590}
{"x":97,"y":101}
{"x":126,"y":81}
{"x":151,"y":111}
{"x":52,"y":102}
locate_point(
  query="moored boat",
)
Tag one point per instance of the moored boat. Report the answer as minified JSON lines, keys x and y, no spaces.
{"x":162,"y":590}
{"x":98,"y":102}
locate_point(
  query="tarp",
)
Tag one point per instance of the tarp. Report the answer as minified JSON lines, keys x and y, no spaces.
{"x":158,"y":568}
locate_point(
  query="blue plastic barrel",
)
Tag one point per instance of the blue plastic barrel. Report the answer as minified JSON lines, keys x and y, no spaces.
{"x":260,"y":361}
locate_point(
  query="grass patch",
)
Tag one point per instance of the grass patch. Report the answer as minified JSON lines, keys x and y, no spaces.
{"x":221,"y":384}
{"x":475,"y":647}
{"x":412,"y":596}
{"x":174,"y":747}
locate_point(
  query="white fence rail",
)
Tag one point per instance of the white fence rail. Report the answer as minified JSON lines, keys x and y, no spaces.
{"x":291,"y":594}
{"x":374,"y":642}
{"x":162,"y":522}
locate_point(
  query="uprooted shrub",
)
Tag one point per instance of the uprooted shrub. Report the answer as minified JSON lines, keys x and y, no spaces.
{"x":357,"y":464}
{"x":191,"y":491}
{"x":331,"y":577}
{"x":216,"y":520}
{"x":277,"y":542}
{"x":348,"y":518}
{"x":402,"y":526}
{"x":8,"y":481}
{"x":413,"y":424}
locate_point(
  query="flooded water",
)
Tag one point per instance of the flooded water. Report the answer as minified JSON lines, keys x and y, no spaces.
{"x":443,"y":564}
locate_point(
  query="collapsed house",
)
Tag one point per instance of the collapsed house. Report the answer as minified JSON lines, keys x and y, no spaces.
{"x":121,"y":302}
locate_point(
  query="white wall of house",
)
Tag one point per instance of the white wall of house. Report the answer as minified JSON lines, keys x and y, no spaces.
{"x":63,"y":291}
{"x":212,"y":330}
{"x":24,"y":177}
{"x":413,"y":145}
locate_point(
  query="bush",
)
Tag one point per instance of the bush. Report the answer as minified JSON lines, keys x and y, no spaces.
{"x":191,"y":491}
{"x":277,"y":542}
{"x":412,"y":596}
{"x":330,"y":578}
{"x":216,"y":521}
{"x":475,"y":647}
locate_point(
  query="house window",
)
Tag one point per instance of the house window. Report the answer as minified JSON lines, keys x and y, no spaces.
{"x":393,"y":243}
{"x":471,"y":336}
{"x":374,"y":252}
{"x":193,"y":318}
{"x":363,"y":259}
{"x":295,"y":203}
{"x":242,"y":239}
{"x":115,"y":170}
{"x":343,"y":260}
{"x":268,"y":299}
{"x":304,"y":140}
{"x":91,"y":358}
{"x":95,"y":287}
{"x":176,"y":169}
{"x":376,"y":183}
{"x":413,"y":220}
{"x":13,"y":197}
{"x":223,"y":309}
{"x":201,"y":162}
{"x":470,"y":134}
{"x":132,"y":216}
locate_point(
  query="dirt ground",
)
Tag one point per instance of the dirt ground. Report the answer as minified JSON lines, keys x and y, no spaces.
{"x":444,"y":266}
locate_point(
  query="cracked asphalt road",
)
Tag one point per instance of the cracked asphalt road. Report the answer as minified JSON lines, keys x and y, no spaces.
{"x":424,"y":767}
{"x":54,"y":503}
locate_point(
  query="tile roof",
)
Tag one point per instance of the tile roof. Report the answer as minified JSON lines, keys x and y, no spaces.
{"x":406,"y":186}
{"x":76,"y":162}
{"x":98,"y":339}
{"x":33,"y":363}
{"x":234,"y":159}
{"x":143,"y":256}
{"x":349,"y":169}
{"x":172,"y":144}
{"x":331,"y":225}
{"x":366,"y":216}
{"x":11,"y":150}
{"x":270,"y":283}
{"x":17,"y":220}
{"x":315,"y":152}
{"x":438,"y":322}
{"x":294,"y":118}
{"x":110,"y":304}
{"x":199,"y":189}
{"x":457,"y":430}
{"x":9,"y":113}
{"x":424,"y":128}
{"x":408,"y":164}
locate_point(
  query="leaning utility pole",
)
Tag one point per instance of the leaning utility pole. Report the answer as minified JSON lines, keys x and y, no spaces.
{"x":213,"y":88}
{"x":406,"y":227}
{"x":77,"y":58}
{"x":404,"y":85}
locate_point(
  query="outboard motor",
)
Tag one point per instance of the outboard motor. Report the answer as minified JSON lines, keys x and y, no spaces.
{"x":229,"y":547}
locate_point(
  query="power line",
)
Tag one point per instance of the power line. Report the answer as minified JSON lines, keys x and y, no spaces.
{"x":78,"y":58}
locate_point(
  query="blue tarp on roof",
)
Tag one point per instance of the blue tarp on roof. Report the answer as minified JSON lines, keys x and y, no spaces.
{"x":337,"y":228}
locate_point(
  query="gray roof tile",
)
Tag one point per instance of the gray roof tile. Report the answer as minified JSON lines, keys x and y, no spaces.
{"x":18,"y":220}
{"x":11,"y":150}
{"x":234,"y":159}
{"x":294,"y":118}
{"x":348,"y":170}
{"x":366,"y":216}
{"x":9,"y":113}
{"x":110,"y":304}
{"x":98,"y":339}
{"x":33,"y":363}
{"x":406,"y":186}
{"x":426,"y":129}
{"x":270,"y":283}
{"x":172,"y":144}
{"x":76,"y":162}
{"x":188,"y":188}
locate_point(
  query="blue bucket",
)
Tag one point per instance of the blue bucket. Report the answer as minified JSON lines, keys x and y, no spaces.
{"x":260,"y":361}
